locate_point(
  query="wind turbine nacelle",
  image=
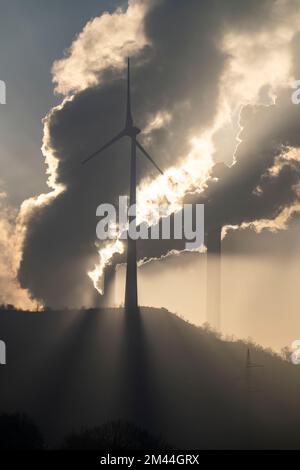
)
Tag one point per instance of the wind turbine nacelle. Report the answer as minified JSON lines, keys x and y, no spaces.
{"x":132,"y":131}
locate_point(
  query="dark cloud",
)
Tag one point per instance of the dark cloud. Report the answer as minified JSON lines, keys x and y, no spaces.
{"x":249,"y":191}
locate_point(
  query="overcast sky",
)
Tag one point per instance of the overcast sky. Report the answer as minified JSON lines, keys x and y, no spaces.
{"x":33,"y":34}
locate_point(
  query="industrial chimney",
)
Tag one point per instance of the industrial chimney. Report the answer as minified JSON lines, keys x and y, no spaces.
{"x":213,"y":293}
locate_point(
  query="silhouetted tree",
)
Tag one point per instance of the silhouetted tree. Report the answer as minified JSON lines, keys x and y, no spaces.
{"x":114,"y":436}
{"x":7,"y":307}
{"x":286,"y":353}
{"x":47,"y":308}
{"x":18,"y":432}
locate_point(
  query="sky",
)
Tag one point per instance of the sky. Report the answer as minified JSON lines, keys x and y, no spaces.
{"x":211,"y":85}
{"x":33,"y":34}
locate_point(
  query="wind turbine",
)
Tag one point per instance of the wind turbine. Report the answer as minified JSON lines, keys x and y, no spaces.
{"x":131,"y":131}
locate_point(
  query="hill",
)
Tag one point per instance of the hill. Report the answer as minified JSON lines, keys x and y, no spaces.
{"x":74,"y":369}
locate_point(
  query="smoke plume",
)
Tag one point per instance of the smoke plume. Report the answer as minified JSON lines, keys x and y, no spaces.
{"x":210,"y":84}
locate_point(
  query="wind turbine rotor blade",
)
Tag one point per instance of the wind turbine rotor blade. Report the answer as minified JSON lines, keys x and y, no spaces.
{"x":105,"y":146}
{"x":147,"y":155}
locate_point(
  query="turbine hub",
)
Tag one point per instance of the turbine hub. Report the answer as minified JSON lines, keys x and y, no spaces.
{"x":132,"y":131}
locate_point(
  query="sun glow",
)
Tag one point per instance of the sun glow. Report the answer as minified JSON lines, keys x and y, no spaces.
{"x":168,"y":190}
{"x":105,"y":255}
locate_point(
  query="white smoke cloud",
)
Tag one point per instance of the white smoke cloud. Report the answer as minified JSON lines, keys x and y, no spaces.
{"x":10,"y":255}
{"x":106,"y":41}
{"x":282,"y":219}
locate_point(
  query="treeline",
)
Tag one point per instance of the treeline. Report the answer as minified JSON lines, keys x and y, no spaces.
{"x":19,"y":432}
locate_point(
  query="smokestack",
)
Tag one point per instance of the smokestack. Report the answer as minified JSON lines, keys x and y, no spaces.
{"x":213,"y":293}
{"x":108,"y":286}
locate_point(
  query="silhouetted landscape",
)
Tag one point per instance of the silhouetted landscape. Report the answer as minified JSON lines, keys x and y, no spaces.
{"x":74,"y":373}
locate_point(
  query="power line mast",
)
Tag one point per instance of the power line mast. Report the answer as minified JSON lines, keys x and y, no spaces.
{"x":250,"y":395}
